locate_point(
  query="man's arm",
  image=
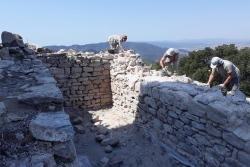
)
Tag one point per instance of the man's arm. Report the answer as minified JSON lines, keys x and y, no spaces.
{"x":211,"y":78}
{"x":229,"y":78}
{"x":162,"y":61}
{"x":175,"y":59}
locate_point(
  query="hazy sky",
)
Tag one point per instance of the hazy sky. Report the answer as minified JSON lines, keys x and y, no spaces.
{"x":65,"y":22}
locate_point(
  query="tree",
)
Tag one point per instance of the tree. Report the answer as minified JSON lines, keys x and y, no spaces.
{"x":197,"y":64}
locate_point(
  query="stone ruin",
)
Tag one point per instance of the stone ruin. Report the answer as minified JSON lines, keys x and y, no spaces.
{"x":196,"y":125}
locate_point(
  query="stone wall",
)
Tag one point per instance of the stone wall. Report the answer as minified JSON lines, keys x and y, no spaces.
{"x":34,"y":128}
{"x":83,"y":78}
{"x":197,"y":123}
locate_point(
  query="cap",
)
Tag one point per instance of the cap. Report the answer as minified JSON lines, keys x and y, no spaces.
{"x":171,"y":52}
{"x":215,"y":61}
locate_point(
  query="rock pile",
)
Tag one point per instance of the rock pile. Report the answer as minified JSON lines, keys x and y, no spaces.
{"x":34,"y":129}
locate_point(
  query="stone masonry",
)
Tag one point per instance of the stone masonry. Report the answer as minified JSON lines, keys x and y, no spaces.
{"x":83,"y":78}
{"x":200,"y":126}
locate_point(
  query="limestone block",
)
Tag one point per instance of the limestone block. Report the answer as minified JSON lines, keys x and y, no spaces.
{"x":176,"y":98}
{"x":65,"y":152}
{"x":192,"y":117}
{"x":44,"y":159}
{"x":221,"y":149}
{"x":105,"y":72}
{"x":198,"y":125}
{"x":188,"y":130}
{"x":98,"y":69}
{"x":178,"y":123}
{"x":151,"y":102}
{"x":192,"y":141}
{"x":52,"y":60}
{"x":231,"y":162}
{"x":97,"y":73}
{"x":233,"y":139}
{"x":157,"y":122}
{"x":75,"y":75}
{"x":76,"y":70}
{"x":221,"y":113}
{"x":211,"y":161}
{"x":214,"y":154}
{"x":183,"y":118}
{"x":213,"y":130}
{"x":52,"y":126}
{"x":243,"y":157}
{"x":46,"y":93}
{"x":88,"y":69}
{"x":11,"y":40}
{"x":196,"y":108}
{"x":56,"y":71}
{"x":4,"y":54}
{"x":65,"y":65}
{"x":95,"y":63}
{"x":202,"y":140}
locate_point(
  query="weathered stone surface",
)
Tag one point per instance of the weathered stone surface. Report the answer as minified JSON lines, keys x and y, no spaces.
{"x":83,"y":161}
{"x":46,"y":93}
{"x":45,"y":159}
{"x":198,"y":125}
{"x":219,"y":112}
{"x":65,"y":152}
{"x":52,"y":126}
{"x":6,"y":63}
{"x":168,"y":128}
{"x":2,"y":108}
{"x":151,"y":102}
{"x":243,"y":157}
{"x":198,"y":109}
{"x":233,"y":139}
{"x":211,"y":161}
{"x":4,"y":54}
{"x":213,"y":131}
{"x":11,"y":40}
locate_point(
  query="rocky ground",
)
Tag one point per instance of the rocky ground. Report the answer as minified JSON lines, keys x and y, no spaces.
{"x":132,"y":147}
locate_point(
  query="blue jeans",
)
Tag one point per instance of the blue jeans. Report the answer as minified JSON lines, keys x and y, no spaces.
{"x":233,"y":85}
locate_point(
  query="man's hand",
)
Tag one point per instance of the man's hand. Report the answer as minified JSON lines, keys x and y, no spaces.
{"x":221,"y":85}
{"x":207,"y":85}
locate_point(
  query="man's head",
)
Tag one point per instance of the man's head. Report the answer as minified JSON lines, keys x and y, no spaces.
{"x":124,"y":37}
{"x":216,"y":62}
{"x":171,"y":52}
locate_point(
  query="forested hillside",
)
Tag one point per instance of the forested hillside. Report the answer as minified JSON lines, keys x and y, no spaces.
{"x":197,"y":64}
{"x":147,"y":51}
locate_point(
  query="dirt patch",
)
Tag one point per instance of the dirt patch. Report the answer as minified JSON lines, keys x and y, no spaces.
{"x":135,"y":149}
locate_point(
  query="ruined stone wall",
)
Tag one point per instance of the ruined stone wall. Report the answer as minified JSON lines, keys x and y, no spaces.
{"x":83,"y":78}
{"x":196,"y":125}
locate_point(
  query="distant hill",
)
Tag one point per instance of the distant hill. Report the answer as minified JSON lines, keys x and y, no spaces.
{"x":200,"y":44}
{"x":146,"y":51}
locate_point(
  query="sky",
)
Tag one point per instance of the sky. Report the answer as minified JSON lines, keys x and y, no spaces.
{"x":65,"y":22}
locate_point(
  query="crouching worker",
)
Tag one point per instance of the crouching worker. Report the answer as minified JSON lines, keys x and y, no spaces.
{"x":115,"y":41}
{"x":229,"y":72}
{"x":169,"y":58}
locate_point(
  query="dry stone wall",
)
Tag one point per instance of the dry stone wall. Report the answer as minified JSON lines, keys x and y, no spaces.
{"x":83,"y":78}
{"x":194,"y":124}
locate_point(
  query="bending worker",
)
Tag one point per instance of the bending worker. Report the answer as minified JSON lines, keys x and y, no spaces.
{"x":170,"y":57}
{"x":229,"y":72}
{"x":115,"y":42}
